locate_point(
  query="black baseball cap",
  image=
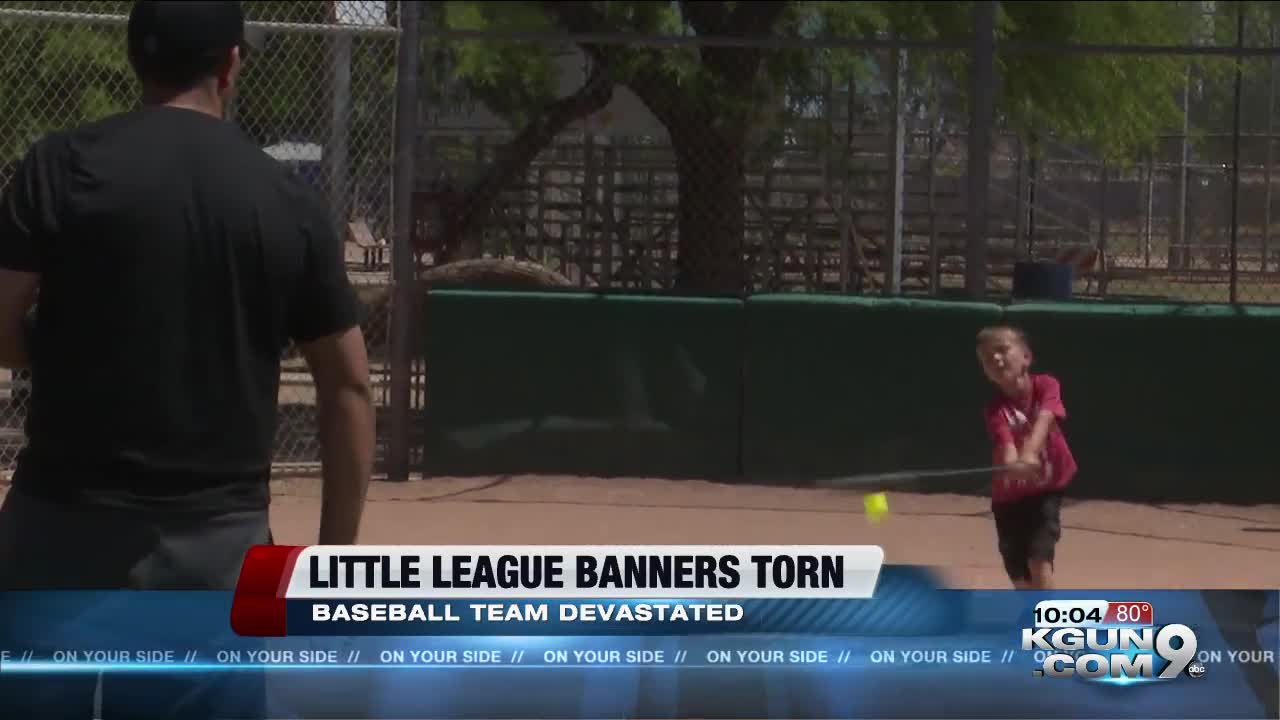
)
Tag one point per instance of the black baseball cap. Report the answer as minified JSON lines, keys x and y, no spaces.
{"x":184,"y":31}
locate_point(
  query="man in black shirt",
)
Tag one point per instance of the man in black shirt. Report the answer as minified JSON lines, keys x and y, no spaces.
{"x":174,"y":262}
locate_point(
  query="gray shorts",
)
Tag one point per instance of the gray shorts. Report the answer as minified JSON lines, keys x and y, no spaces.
{"x":47,"y":546}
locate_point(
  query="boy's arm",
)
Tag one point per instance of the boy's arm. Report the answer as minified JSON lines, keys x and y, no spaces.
{"x":998,"y":430}
{"x":1010,"y":453}
{"x":1030,"y":454}
{"x":1049,"y":401}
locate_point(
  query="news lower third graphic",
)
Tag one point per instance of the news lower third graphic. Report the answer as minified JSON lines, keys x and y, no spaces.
{"x":1108,"y":641}
{"x":519,"y":590}
{"x":541,"y":633}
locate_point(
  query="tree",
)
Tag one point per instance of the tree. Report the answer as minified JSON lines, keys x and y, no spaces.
{"x":286,"y":89}
{"x":1211,"y":101}
{"x":725,"y":108}
{"x":53,"y":76}
{"x":56,"y":75}
{"x":717,"y":101}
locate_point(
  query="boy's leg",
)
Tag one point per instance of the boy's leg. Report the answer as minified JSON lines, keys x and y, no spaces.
{"x":1046,"y":530}
{"x":1012,"y":537}
{"x":1041,"y":574}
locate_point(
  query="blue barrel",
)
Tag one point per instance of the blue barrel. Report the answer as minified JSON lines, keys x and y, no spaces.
{"x":1042,"y":280}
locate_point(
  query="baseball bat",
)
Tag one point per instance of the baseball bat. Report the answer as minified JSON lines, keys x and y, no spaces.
{"x":874,"y":479}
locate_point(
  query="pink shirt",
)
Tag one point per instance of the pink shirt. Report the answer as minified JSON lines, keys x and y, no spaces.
{"x":1010,"y":420}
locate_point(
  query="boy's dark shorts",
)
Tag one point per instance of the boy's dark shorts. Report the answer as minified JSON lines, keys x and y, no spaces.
{"x":1028,"y":529}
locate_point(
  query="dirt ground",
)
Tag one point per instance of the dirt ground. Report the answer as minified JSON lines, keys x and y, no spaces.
{"x":1104,"y":544}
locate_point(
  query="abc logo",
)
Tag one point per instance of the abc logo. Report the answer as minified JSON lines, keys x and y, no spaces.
{"x":1196,"y":669}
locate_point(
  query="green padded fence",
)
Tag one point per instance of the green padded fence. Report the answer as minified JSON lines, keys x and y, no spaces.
{"x":583,"y":384}
{"x":839,"y":385}
{"x":1165,"y":403}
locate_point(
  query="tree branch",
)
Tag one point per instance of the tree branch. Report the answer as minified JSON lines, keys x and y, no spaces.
{"x":517,"y":155}
{"x":658,"y":88}
{"x":706,"y":18}
{"x":645,"y":71}
{"x":755,"y":18}
{"x":749,"y":19}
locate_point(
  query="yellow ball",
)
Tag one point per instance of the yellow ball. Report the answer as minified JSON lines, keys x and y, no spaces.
{"x":877,"y":506}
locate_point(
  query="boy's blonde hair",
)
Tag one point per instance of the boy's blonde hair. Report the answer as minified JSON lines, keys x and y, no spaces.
{"x":992,"y":332}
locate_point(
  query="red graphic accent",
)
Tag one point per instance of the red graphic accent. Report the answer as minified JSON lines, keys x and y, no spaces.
{"x":1129,"y":613}
{"x":258,"y":608}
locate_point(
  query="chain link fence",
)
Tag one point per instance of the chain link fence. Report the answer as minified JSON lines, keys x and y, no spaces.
{"x":318,"y":95}
{"x":728,"y":148}
{"x":720,"y":150}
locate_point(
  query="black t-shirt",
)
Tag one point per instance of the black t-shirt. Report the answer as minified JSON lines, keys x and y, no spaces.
{"x":176,"y":261}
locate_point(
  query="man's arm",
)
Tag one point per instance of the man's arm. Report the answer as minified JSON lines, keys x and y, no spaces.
{"x":340,"y":366}
{"x":29,"y":223}
{"x":325,"y":324}
{"x":17,"y":295}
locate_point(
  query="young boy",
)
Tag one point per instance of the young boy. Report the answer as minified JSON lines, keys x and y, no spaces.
{"x":1023,"y":421}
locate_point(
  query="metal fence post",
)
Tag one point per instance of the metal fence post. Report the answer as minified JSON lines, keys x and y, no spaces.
{"x":1235,"y":163}
{"x":981,"y":118}
{"x":404,"y":272}
{"x":1180,"y":242}
{"x":897,"y":172}
{"x":1270,"y":155}
{"x":336,"y":150}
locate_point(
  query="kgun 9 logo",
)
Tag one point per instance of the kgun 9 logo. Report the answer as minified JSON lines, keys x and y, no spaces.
{"x":1116,"y":653}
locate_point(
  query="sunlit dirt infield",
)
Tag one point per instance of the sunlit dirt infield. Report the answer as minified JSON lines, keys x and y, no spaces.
{"x":1104,"y":544}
